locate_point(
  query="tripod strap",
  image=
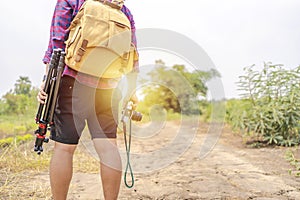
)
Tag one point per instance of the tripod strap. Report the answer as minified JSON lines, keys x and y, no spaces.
{"x":127,"y":147}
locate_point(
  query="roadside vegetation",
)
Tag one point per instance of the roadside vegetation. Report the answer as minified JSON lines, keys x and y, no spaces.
{"x":269,"y":110}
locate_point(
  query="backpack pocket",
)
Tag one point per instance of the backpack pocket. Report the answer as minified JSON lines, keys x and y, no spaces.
{"x":73,"y":41}
{"x":119,"y":33}
{"x":95,"y":30}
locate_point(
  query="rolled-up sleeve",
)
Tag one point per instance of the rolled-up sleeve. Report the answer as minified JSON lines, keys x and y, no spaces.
{"x":61,"y":20}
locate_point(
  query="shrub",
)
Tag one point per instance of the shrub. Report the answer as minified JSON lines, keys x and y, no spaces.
{"x":270,"y":107}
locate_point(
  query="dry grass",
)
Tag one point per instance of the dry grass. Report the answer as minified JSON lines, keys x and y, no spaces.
{"x":24,"y":174}
{"x":17,"y":158}
{"x":19,"y":169}
{"x":84,"y":162}
{"x":23,"y":185}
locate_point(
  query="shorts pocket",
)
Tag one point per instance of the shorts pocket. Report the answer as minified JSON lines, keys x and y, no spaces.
{"x":66,"y":86}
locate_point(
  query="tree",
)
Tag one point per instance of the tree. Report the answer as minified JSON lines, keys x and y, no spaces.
{"x":21,"y":99}
{"x":177,"y":89}
{"x":23,"y":86}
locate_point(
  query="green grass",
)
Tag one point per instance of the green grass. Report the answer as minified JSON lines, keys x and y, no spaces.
{"x":12,"y":125}
{"x":15,"y":140}
{"x":294,"y":162}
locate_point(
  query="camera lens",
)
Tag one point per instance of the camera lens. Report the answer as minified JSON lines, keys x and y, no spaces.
{"x":136,"y":116}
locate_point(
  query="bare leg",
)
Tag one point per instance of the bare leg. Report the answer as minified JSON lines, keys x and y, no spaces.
{"x":110,"y":167}
{"x":61,"y":169}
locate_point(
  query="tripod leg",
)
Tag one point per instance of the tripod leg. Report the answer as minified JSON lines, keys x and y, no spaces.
{"x":43,"y":110}
{"x":60,"y":69}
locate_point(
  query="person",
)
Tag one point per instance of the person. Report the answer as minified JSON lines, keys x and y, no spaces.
{"x":82,"y":97}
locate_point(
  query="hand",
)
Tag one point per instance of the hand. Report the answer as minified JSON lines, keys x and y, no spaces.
{"x":133,"y":98}
{"x":42,"y":96}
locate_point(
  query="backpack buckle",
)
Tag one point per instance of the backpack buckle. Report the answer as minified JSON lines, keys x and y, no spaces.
{"x":114,"y":4}
{"x":120,"y":3}
{"x":126,"y":56}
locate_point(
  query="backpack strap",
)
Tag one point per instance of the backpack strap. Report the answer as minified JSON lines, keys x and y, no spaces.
{"x":81,"y":50}
{"x":116,"y":4}
{"x":120,"y":3}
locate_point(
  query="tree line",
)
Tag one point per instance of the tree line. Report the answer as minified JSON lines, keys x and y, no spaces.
{"x":171,"y":94}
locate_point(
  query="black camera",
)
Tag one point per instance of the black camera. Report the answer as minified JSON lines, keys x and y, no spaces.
{"x":130,"y":113}
{"x":136,"y":116}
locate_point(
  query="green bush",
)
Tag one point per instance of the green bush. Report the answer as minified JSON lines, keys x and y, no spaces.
{"x":237,"y":110}
{"x":270,"y":108}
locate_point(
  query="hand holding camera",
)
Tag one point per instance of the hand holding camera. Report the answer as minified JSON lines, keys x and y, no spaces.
{"x":129,"y":112}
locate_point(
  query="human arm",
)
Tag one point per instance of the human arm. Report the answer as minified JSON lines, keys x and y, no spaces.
{"x":61,"y":20}
{"x":132,"y":87}
{"x":41,"y":97}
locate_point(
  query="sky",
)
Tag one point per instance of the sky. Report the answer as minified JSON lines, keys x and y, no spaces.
{"x":233,"y":33}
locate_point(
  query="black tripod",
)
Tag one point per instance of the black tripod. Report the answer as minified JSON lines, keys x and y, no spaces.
{"x":45,"y":111}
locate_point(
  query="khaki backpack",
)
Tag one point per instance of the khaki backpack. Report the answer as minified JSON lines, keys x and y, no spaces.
{"x":99,"y":41}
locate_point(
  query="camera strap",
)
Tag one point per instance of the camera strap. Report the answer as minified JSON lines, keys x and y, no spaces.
{"x":127,"y":147}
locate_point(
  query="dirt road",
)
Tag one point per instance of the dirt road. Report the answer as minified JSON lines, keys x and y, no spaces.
{"x":229,"y":171}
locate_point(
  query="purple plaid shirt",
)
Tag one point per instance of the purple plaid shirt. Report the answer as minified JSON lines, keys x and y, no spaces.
{"x":65,"y":11}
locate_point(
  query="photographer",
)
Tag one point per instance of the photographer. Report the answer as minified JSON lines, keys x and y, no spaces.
{"x":84,"y":98}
